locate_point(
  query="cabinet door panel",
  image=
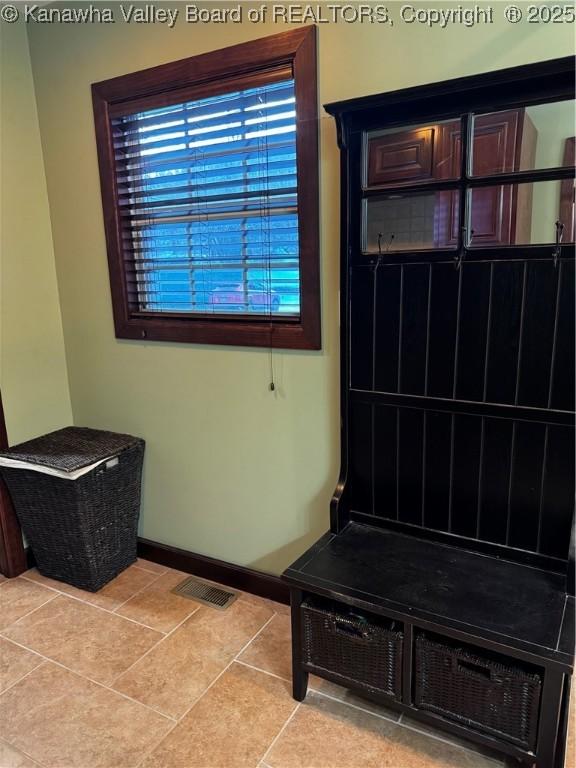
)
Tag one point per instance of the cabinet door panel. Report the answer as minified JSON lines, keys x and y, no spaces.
{"x":401,"y":156}
{"x":495,"y":143}
{"x":491,"y":217}
{"x":495,"y":150}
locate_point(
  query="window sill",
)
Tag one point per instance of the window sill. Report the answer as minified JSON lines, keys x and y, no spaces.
{"x":285,"y":335}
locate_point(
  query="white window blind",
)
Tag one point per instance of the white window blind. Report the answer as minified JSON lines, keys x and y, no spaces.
{"x":207,"y":191}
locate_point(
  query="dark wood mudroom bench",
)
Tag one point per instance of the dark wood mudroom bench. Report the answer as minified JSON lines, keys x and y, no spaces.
{"x":480,"y":597}
{"x":445,"y":586}
{"x":471,"y":600}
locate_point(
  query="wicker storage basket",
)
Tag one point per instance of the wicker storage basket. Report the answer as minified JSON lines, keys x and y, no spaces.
{"x":365,"y":652}
{"x":81,"y":531}
{"x":478,"y":691}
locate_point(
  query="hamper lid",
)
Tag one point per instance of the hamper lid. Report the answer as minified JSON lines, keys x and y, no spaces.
{"x":71,"y":448}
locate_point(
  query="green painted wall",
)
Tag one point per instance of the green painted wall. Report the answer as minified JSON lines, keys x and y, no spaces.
{"x":554,"y":124}
{"x":33,"y":377}
{"x":232,"y":470}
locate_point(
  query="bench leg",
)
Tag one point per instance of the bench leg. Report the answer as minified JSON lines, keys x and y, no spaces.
{"x":560,"y":755}
{"x":299,"y":685}
{"x":553,"y":720}
{"x":299,"y":676}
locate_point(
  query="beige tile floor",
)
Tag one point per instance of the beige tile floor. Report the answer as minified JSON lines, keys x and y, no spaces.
{"x":136,"y":676}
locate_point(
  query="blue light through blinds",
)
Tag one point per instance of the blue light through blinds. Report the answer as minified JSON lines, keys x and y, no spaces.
{"x":208,"y":200}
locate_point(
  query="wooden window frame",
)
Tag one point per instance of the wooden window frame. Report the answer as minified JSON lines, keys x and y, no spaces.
{"x":197,"y":77}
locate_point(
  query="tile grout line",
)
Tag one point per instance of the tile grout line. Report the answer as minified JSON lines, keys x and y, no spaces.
{"x":114,"y":611}
{"x":47,"y":659}
{"x":280,"y":732}
{"x":240,"y":652}
{"x":444,"y":738}
{"x":355,"y":706}
{"x":265,"y":671}
{"x":400,"y":722}
{"x":168,"y":718}
{"x":262,"y":628}
{"x":44,"y":661}
{"x":23,"y":752}
{"x":59,"y":592}
{"x":40,"y":663}
{"x":296,"y":708}
{"x":139,"y":591}
{"x":135,"y":701}
{"x":44,"y":658}
{"x":148,"y":570}
{"x":149,"y":752}
{"x":117,"y":608}
{"x":28,"y":613}
{"x":219,"y":675}
{"x":114,"y":681}
{"x":236,"y":658}
{"x":175,"y":721}
{"x":321,"y":693}
{"x":35,"y":760}
{"x":156,"y":645}
{"x":388,"y":719}
{"x":197,"y":699}
{"x":439,"y":736}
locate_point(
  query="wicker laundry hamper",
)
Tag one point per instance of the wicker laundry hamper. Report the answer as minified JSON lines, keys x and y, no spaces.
{"x":81,"y":520}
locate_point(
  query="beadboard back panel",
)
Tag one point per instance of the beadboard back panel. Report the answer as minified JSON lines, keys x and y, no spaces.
{"x":494,"y":479}
{"x":461,"y":399}
{"x":494,"y":332}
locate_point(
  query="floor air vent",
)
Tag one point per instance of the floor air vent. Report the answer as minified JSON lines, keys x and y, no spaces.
{"x":204,"y":592}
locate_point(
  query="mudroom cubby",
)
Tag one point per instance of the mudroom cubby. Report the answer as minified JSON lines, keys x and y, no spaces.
{"x":445,"y":586}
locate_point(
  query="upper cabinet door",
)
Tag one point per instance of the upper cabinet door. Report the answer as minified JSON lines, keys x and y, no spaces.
{"x":417,"y":215}
{"x":412,"y":154}
{"x":503,"y":142}
{"x":540,"y":131}
{"x":531,"y":139}
{"x":497,"y":141}
{"x":408,"y":157}
{"x":401,"y":156}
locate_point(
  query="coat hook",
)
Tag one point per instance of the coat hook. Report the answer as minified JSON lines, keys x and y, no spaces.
{"x":559,"y":235}
{"x":388,"y":245}
{"x":459,"y":258}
